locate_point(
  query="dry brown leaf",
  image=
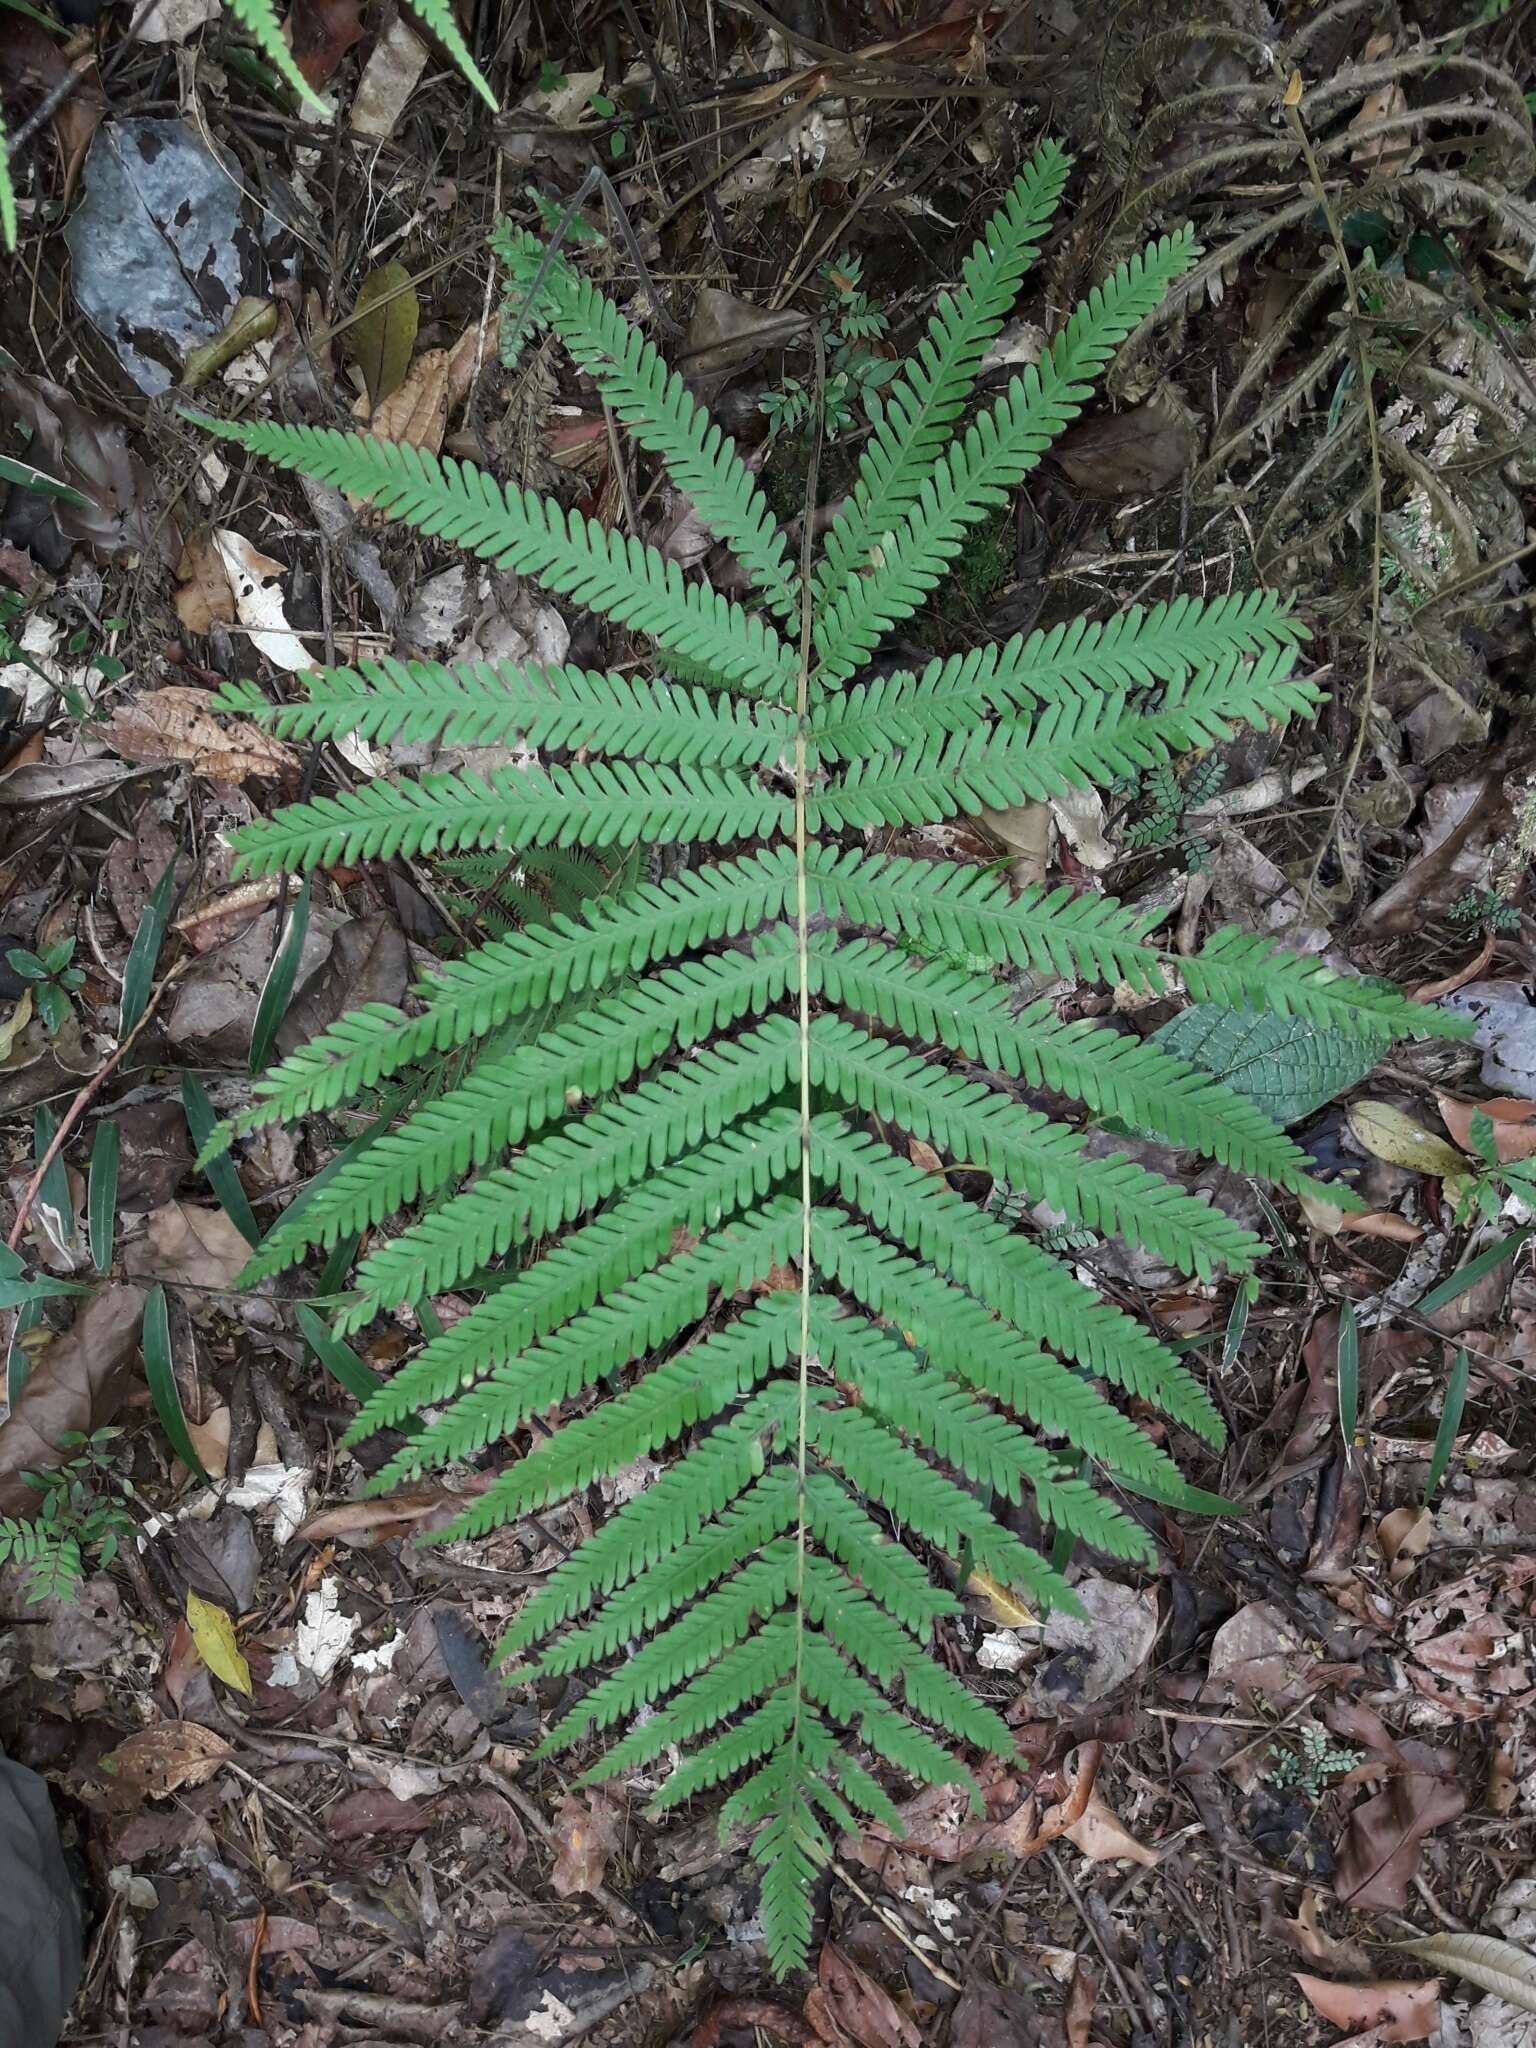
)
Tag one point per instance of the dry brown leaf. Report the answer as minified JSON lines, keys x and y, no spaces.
{"x":256,"y":582}
{"x":1379,"y":1850}
{"x":1404,"y":1537}
{"x":372,"y":1810}
{"x":1514,"y":1124}
{"x":362,"y":1523}
{"x":437,"y":385}
{"x":183,"y":1243}
{"x":1382,"y":1223}
{"x":76,"y":1384}
{"x":158,"y":1761}
{"x":847,"y":2005}
{"x":322,"y":31}
{"x":1102,"y":1836}
{"x":203,"y":596}
{"x":1077,"y":2013}
{"x":923,"y":1155}
{"x":1392,"y":2012}
{"x":85,"y":452}
{"x":1307,"y":1935}
{"x":1130,"y":454}
{"x":587,"y":1832}
{"x":178,"y":724}
{"x":1385,"y":152}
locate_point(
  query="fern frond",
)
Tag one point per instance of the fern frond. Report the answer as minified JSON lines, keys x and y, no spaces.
{"x":627,"y":1239}
{"x":260,"y":21}
{"x":660,"y":1407}
{"x":516,"y":529}
{"x":593,"y":1053}
{"x":1011,"y":1277}
{"x":635,"y":1319}
{"x":589,"y":1156}
{"x":891,"y":1573}
{"x":8,"y":220}
{"x":760,"y":1731}
{"x":1116,"y":1075}
{"x":1136,"y":649}
{"x":439,"y":17}
{"x":978,"y":471}
{"x":479,"y":703}
{"x":596,"y":803}
{"x":912,"y":422}
{"x":744,"y":1672}
{"x":673,"y":1508}
{"x":968,"y":911}
{"x":1024,"y":1148}
{"x":977,"y":1441}
{"x":1083,"y":734}
{"x":659,"y":410}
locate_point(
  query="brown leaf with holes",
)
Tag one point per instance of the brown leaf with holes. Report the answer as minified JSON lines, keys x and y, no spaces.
{"x":203,"y":596}
{"x":158,"y":1761}
{"x":847,"y":2005}
{"x":1387,"y":2012}
{"x":587,"y":1832}
{"x":178,"y":724}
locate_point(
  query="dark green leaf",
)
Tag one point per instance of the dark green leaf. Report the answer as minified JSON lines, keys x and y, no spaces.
{"x":278,"y":987}
{"x":101,"y":1195}
{"x":1450,"y":1422}
{"x":139,"y":974}
{"x":222,"y":1177}
{"x":1285,"y":1065}
{"x":161,"y":1376}
{"x":1349,"y":1374}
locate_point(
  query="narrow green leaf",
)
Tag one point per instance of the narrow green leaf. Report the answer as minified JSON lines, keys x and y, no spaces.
{"x":1349,"y":1375}
{"x":161,"y":1375}
{"x":13,"y":471}
{"x":278,"y":986}
{"x":139,"y":974}
{"x":1237,"y":1324}
{"x":1191,"y":1500}
{"x":220,"y":1169}
{"x":53,"y":1196}
{"x":101,"y":1194}
{"x":1468,"y":1275}
{"x":1450,"y":1422}
{"x":341,"y":1361}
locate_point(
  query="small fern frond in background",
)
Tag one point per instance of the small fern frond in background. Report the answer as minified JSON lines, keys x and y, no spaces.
{"x":261,"y":21}
{"x":670,"y":1186}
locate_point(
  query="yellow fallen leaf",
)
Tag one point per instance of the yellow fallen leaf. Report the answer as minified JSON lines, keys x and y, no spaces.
{"x":1388,"y":1134}
{"x":1003,"y":1605}
{"x":214,"y":1634}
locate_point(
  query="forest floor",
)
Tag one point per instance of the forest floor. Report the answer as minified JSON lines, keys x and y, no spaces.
{"x":303,"y":1811}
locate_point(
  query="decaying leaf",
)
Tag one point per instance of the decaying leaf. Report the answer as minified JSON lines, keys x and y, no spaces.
{"x":847,"y":2005}
{"x":587,"y":1832}
{"x":182,"y":1242}
{"x":1389,"y":2012}
{"x":158,"y":1761}
{"x":178,"y":724}
{"x":363,"y":1523}
{"x":1379,"y":1852}
{"x":1404,"y":1537}
{"x":323,"y":31}
{"x":1504,"y":1969}
{"x":1100,"y":1834}
{"x":1388,"y":1133}
{"x":76,"y":1385}
{"x":253,"y":320}
{"x":203,"y":596}
{"x":383,"y":330}
{"x":259,"y":602}
{"x":1131,"y":454}
{"x":119,"y":512}
{"x":1514,"y":1124}
{"x":214,"y":1634}
{"x":389,"y":78}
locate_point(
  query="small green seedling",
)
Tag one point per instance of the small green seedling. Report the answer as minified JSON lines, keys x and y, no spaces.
{"x":78,"y":1519}
{"x":53,"y":981}
{"x":855,"y":370}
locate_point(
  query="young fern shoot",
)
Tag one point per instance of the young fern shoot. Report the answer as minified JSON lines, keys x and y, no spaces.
{"x":694,"y":1185}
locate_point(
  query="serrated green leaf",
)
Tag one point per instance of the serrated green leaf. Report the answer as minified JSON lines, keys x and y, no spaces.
{"x":1287,"y":1066}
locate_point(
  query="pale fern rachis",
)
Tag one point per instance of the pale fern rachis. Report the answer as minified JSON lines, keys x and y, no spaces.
{"x":707,"y":1110}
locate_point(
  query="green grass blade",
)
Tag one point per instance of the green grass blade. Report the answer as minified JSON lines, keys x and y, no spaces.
{"x":278,"y":986}
{"x":222,"y":1177}
{"x":161,"y":1376}
{"x":1349,"y":1375}
{"x":139,"y":974}
{"x":1468,"y":1275}
{"x":101,"y":1195}
{"x":1450,"y":1422}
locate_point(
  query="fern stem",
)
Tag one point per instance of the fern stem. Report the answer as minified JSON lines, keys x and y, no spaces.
{"x":803,"y":1007}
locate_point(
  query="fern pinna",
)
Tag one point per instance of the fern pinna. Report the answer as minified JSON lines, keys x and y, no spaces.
{"x":686,"y":1205}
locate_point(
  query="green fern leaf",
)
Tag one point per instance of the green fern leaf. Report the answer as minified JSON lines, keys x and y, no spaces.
{"x":517,"y":529}
{"x":484,"y":703}
{"x":979,"y":470}
{"x":439,"y":17}
{"x":912,"y":424}
{"x":260,"y":21}
{"x":658,"y":409}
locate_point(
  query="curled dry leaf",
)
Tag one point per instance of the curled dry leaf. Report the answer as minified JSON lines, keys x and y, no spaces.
{"x":158,"y":1761}
{"x":178,"y":724}
{"x":186,"y":1244}
{"x":120,"y":511}
{"x":1102,"y":1836}
{"x":587,"y":1834}
{"x":362,"y":1523}
{"x":847,"y":2005}
{"x":1390,"y":2012}
{"x":77,"y":1384}
{"x":1404,"y":1537}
